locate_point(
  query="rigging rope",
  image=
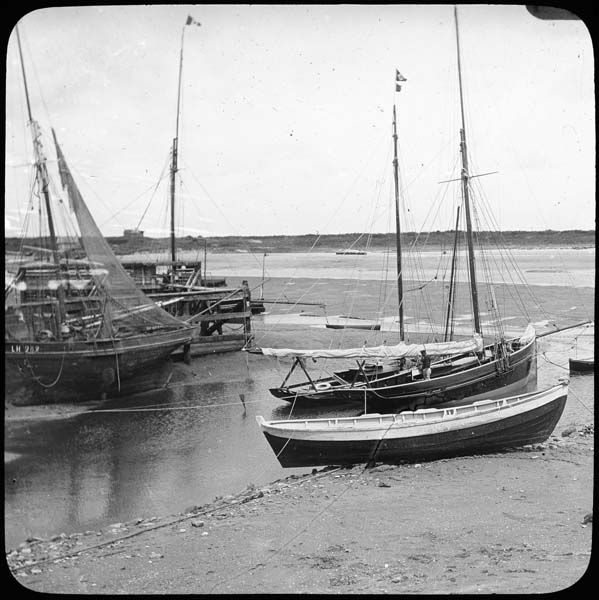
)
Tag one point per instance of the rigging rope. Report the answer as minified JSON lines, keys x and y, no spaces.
{"x":155,"y":186}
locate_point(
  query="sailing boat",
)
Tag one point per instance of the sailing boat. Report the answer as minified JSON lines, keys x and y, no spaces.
{"x":398,"y":377}
{"x":78,"y":328}
{"x":185,"y":290}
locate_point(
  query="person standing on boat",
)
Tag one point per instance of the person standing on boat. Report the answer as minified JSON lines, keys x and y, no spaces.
{"x":246,"y":288}
{"x":426,"y":365}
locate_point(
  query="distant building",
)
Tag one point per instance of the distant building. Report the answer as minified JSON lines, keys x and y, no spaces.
{"x":133,"y":234}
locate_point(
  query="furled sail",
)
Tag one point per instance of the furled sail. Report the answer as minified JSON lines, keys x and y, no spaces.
{"x":123,"y":300}
{"x":401,"y":350}
{"x":528,"y":335}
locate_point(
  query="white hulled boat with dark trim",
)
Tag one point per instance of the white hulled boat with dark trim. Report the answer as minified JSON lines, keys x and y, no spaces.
{"x":426,"y":434}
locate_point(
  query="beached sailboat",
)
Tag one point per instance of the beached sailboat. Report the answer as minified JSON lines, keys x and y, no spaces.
{"x":426,"y":434}
{"x":460,"y":369}
{"x":76,"y":326}
{"x":488,"y":364}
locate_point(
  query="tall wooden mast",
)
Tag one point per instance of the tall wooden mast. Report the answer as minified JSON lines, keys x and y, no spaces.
{"x":398,"y":230}
{"x":174,"y":165}
{"x":465,"y":191}
{"x":42,"y":180}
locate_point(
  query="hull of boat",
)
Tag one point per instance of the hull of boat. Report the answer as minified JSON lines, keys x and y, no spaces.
{"x":63,"y":371}
{"x":582,"y":365}
{"x":487,"y":380}
{"x":311,"y":444}
{"x":216,"y":344}
{"x":366,"y":326}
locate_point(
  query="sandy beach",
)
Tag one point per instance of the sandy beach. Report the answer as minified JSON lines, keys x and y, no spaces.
{"x":513,"y":522}
{"x":516,"y":522}
{"x":368,"y":230}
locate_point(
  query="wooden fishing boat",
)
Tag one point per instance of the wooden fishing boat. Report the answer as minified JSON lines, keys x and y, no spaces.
{"x":426,"y":434}
{"x":490,"y":364}
{"x":77,"y":328}
{"x":460,"y":370}
{"x":582,"y":365}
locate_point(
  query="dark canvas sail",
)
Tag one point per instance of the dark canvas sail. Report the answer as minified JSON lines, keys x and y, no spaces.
{"x":125,"y":305}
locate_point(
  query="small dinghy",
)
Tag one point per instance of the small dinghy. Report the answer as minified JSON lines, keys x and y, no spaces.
{"x":344,"y":322}
{"x":477,"y":428}
{"x":582,"y":365}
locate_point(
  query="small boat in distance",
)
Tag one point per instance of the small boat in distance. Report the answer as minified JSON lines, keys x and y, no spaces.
{"x":352,"y":252}
{"x":345,"y":322}
{"x":426,"y":434}
{"x":582,"y":365}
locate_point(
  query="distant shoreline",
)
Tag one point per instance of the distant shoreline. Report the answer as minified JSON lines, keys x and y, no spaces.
{"x":256,"y":252}
{"x":354,"y":242}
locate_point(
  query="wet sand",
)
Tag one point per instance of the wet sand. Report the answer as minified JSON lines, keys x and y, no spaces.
{"x":517,"y":522}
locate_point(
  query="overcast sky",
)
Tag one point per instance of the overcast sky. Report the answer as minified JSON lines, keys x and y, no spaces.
{"x":286,"y":114}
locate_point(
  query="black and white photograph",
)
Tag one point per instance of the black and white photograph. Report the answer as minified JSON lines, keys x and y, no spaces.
{"x":299,"y":299}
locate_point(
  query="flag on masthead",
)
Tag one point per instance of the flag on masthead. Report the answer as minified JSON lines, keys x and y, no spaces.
{"x":398,"y":78}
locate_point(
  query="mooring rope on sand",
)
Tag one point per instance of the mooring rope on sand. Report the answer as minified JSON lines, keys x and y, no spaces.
{"x":191,"y":515}
{"x":350,"y":485}
{"x":570,"y":391}
{"x":577,"y":397}
{"x":544,"y":355}
{"x":125,"y":410}
{"x":274,"y":554}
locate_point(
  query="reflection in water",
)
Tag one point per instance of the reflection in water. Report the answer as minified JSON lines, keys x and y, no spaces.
{"x":162,"y":452}
{"x":156,"y":379}
{"x":140,"y":460}
{"x":137,"y":457}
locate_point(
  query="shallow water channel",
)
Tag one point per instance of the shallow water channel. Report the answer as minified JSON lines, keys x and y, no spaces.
{"x":70,"y":469}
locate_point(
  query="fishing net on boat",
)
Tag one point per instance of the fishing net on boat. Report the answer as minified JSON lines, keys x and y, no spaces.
{"x":126,"y":308}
